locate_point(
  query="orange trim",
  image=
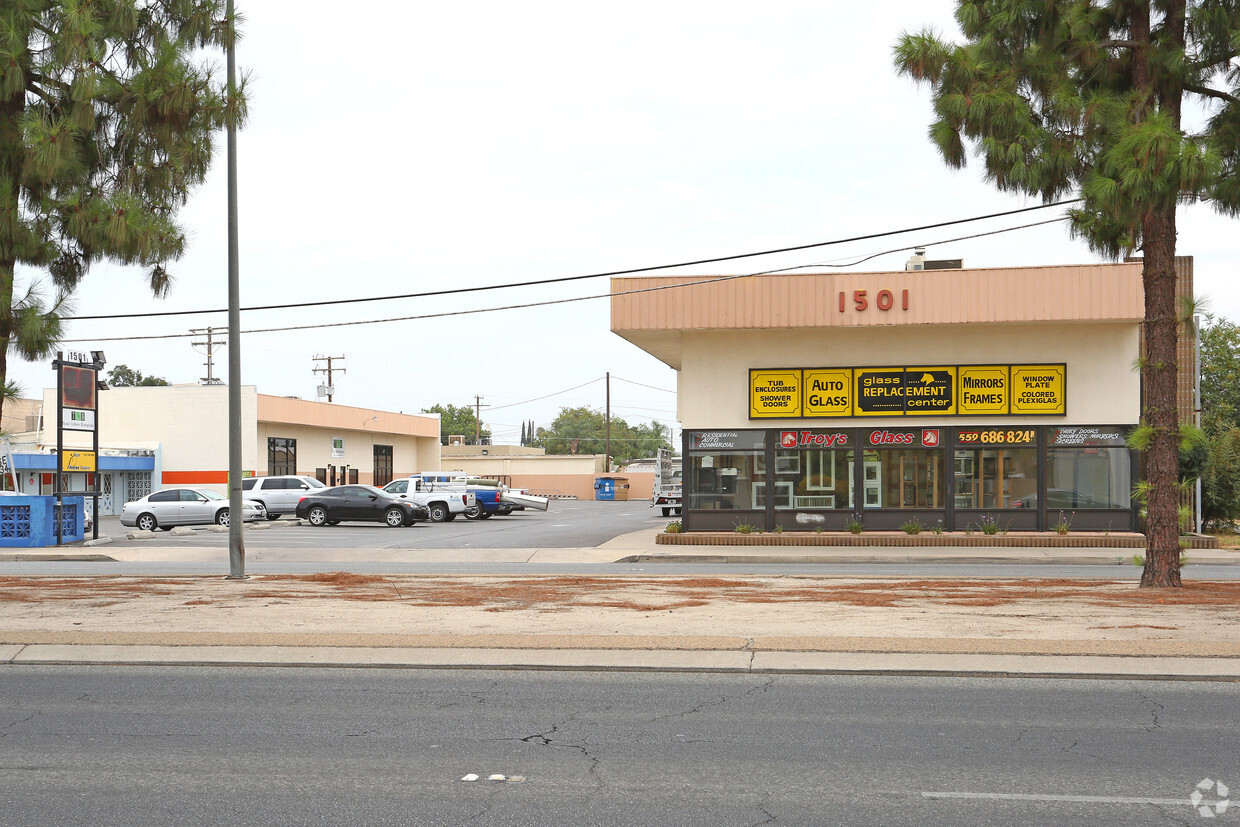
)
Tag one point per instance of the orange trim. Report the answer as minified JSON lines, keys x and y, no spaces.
{"x":195,"y":477}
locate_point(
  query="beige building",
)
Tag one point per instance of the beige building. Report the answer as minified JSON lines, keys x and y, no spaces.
{"x":557,"y":475}
{"x":954,"y":397}
{"x":185,"y":429}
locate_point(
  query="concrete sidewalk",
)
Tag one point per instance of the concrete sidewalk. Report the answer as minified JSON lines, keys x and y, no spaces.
{"x":635,"y":547}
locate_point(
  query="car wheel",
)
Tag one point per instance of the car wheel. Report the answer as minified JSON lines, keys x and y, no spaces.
{"x":451,"y":517}
{"x":333,"y":522}
{"x":472,"y":512}
{"x":483,"y":513}
{"x":270,"y":516}
{"x":394,"y":517}
{"x":147,"y":522}
{"x":439,"y":513}
{"x":667,"y":512}
{"x":317,"y":516}
{"x":677,"y":511}
{"x":504,"y":510}
{"x":221,"y":517}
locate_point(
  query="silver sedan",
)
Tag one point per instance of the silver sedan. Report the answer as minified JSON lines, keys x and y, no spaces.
{"x":183,"y":506}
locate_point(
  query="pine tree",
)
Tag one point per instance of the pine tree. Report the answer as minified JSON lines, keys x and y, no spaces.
{"x":107,"y":111}
{"x":1085,"y":97}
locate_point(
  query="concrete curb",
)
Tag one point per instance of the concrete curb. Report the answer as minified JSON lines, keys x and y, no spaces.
{"x":1095,"y":667}
{"x":56,"y":558}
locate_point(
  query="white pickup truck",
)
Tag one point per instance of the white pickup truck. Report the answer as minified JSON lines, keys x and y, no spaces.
{"x":442,"y":505}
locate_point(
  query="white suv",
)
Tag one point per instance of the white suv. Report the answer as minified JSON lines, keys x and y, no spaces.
{"x":278,"y":495}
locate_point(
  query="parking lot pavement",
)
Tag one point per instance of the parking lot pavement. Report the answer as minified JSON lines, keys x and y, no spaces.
{"x":571,"y":531}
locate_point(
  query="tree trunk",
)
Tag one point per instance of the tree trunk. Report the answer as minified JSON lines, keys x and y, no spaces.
{"x":1159,"y":371}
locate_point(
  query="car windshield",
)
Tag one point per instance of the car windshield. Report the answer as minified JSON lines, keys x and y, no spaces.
{"x":313,"y":483}
{"x":211,"y":495}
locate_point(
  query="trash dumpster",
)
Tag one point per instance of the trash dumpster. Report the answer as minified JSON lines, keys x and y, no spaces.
{"x":611,"y":488}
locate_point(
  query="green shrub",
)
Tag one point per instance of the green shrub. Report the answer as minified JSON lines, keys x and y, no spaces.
{"x":913,"y":526}
{"x":746,"y":528}
{"x":855,"y":527}
{"x":673,"y":527}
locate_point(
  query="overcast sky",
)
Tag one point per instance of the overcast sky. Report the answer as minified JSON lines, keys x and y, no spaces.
{"x":399,"y":147}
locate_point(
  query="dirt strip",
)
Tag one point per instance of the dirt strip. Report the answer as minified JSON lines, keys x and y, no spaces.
{"x":782,"y":613}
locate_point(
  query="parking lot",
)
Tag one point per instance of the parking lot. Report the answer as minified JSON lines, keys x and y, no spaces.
{"x":565,"y":524}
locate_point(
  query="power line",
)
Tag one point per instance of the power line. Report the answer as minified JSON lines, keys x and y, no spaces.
{"x":652,"y":387}
{"x":548,"y":303}
{"x":540,"y":282}
{"x":548,"y":396}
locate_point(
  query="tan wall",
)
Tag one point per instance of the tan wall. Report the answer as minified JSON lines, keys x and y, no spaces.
{"x":314,"y":450}
{"x":189,"y":423}
{"x":554,"y":475}
{"x":292,"y":411}
{"x":491,"y":451}
{"x":1102,"y":387}
{"x":189,"y":426}
{"x":414,"y":437}
{"x":657,"y":321}
{"x":15,"y":413}
{"x":641,"y":484}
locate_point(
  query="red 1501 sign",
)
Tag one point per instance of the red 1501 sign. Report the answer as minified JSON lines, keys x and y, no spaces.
{"x":883,"y":300}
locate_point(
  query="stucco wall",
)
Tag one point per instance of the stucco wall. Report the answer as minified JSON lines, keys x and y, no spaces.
{"x":189,"y":422}
{"x":410,"y":454}
{"x":1102,"y":385}
{"x":554,"y":475}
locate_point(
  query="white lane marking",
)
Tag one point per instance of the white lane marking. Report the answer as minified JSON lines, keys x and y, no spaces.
{"x":1076,"y":799}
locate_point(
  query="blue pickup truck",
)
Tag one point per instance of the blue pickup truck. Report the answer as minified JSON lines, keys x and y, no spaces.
{"x":487,"y":493}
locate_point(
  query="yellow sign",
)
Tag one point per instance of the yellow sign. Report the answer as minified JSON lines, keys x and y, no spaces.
{"x":828,"y":392}
{"x":774,"y":394}
{"x":929,"y":391}
{"x":1039,"y":389}
{"x":984,"y":390}
{"x":78,"y":461}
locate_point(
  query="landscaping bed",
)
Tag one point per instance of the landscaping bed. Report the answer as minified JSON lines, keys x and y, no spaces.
{"x":1011,"y":539}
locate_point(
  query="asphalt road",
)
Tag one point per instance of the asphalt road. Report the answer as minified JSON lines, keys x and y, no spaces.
{"x":162,"y":746}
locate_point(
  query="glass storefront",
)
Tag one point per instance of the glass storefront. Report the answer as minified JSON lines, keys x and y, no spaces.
{"x":725,"y":471}
{"x":1021,"y":477}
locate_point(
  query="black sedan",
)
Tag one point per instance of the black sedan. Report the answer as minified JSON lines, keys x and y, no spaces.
{"x":329,"y":506}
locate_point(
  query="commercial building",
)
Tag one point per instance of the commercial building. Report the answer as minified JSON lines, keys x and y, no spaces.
{"x":153,"y":437}
{"x":948,"y":397}
{"x":555,"y":475}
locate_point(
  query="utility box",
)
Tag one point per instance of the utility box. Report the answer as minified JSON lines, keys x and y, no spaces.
{"x":611,"y":488}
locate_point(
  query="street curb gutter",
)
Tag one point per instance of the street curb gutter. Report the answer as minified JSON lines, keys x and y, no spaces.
{"x":1093,"y":667}
{"x":56,"y":558}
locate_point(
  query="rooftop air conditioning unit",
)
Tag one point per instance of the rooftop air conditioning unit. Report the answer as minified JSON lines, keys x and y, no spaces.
{"x":456,"y":439}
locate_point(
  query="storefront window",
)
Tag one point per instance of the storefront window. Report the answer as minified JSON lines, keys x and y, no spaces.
{"x":1091,"y":477}
{"x":903,"y":479}
{"x":995,"y":478}
{"x":813,"y":479}
{"x":726,"y":481}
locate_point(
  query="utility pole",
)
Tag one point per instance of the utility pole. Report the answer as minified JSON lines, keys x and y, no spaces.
{"x":607,"y":426}
{"x":236,"y":532}
{"x":211,"y":345}
{"x":478,"y":419}
{"x":328,"y":370}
